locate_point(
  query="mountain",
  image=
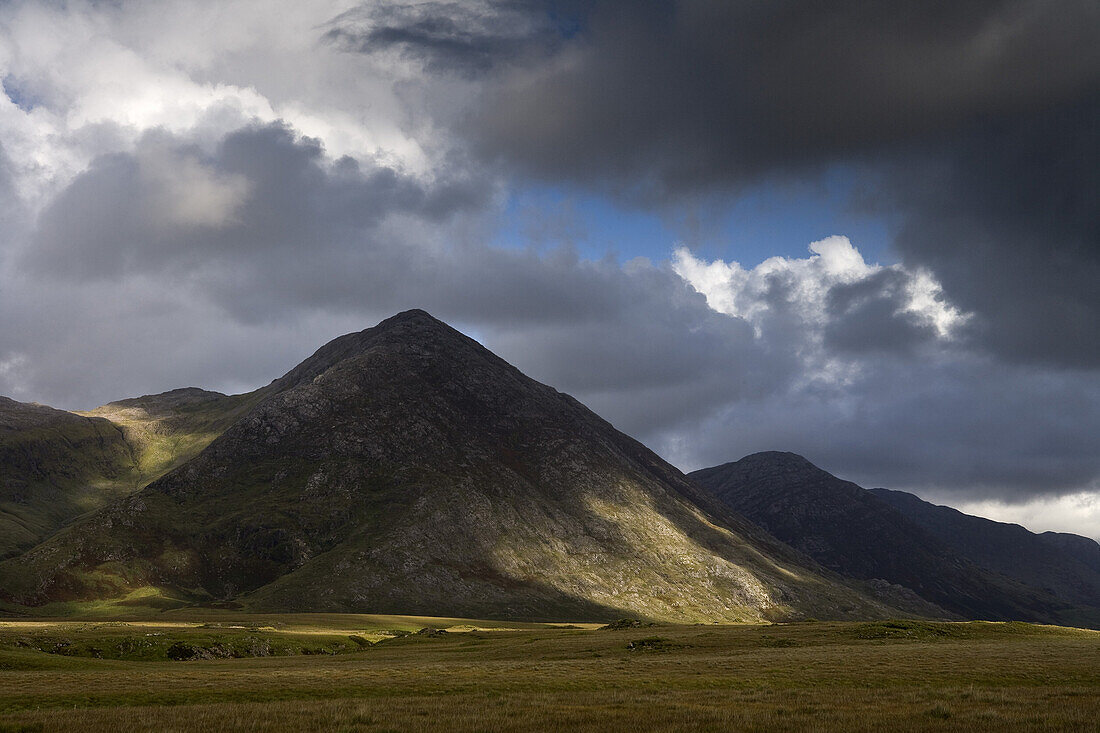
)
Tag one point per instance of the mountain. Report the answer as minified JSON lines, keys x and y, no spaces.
{"x":408,"y":469}
{"x":1065,"y":565}
{"x":859,"y":534}
{"x":56,"y":465}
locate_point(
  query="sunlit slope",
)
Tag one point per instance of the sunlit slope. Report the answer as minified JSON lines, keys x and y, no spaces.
{"x":56,"y":465}
{"x":166,"y":430}
{"x":406,"y":469}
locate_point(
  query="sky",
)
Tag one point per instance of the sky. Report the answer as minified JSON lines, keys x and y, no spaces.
{"x":867,"y":233}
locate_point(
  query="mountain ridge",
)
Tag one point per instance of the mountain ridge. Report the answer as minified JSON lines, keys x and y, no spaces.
{"x":852,"y":531}
{"x":1062,"y":563}
{"x":53,"y":466}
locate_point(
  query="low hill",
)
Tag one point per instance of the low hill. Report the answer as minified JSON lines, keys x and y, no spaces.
{"x":54,"y":465}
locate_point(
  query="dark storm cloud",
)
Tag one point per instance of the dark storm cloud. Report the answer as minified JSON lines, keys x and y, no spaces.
{"x":977,"y":119}
{"x":449,"y":37}
{"x":869,"y":315}
{"x":1008,"y":217}
{"x":686,"y":95}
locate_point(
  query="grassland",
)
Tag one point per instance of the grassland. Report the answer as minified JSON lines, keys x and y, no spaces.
{"x":368,"y":673}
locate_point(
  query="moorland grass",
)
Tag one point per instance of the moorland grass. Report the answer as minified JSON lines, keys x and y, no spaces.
{"x":904,"y":675}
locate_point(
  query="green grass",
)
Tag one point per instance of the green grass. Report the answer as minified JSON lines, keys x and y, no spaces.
{"x":57,"y":466}
{"x":510,"y":677}
{"x":163,"y":435}
{"x":53,"y":472}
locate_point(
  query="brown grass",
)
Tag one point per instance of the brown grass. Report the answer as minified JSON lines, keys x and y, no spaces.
{"x":815,"y":676}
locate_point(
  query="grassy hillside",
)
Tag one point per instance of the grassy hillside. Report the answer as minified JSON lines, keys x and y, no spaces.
{"x":890,"y":675}
{"x":57,"y":465}
{"x":166,"y":430}
{"x":53,"y":466}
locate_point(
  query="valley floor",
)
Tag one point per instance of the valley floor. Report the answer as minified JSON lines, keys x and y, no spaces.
{"x":367,"y":673}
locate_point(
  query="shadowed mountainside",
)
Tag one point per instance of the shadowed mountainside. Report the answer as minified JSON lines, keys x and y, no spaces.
{"x":1063,"y":564}
{"x":407,"y":469}
{"x":854,"y":532}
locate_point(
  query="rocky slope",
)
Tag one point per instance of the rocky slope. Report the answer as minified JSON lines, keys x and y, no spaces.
{"x":854,"y":532}
{"x":407,"y":469}
{"x":1064,"y":565}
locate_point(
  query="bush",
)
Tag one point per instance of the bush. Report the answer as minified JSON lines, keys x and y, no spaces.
{"x":180,"y":652}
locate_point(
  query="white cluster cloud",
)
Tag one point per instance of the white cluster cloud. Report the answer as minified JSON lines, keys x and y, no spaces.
{"x":746,"y":293}
{"x":798,"y":297}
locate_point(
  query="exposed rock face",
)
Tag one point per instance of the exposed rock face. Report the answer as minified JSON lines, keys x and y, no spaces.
{"x":408,"y":469}
{"x":856,"y":533}
{"x":1065,"y":565}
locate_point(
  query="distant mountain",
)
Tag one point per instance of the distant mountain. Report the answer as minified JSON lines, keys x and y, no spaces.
{"x":1066,"y":565}
{"x":862,"y":535}
{"x":407,"y":469}
{"x":56,"y":465}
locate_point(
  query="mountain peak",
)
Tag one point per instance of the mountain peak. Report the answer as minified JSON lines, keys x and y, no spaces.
{"x":413,"y":328}
{"x":413,"y":314}
{"x":777,"y":458}
{"x":412,"y":320}
{"x":173,"y":398}
{"x":757,"y":466}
